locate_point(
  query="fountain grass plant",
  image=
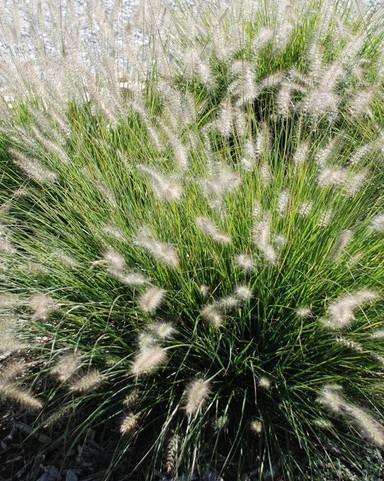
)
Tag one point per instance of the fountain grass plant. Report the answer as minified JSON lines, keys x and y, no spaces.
{"x":192,"y":249}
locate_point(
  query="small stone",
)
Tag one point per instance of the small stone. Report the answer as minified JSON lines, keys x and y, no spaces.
{"x":71,"y":475}
{"x":51,"y":474}
{"x":211,"y":476}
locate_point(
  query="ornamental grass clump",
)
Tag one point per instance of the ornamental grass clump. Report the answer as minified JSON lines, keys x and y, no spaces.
{"x":192,"y":234}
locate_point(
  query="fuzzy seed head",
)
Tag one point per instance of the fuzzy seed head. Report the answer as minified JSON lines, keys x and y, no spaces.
{"x":132,"y":279}
{"x":65,"y":259}
{"x":162,"y":330}
{"x":88,"y":382}
{"x":225,"y":119}
{"x":341,"y":312}
{"x":204,"y":290}
{"x":243,"y":293}
{"x":42,"y":305}
{"x":129,"y":423}
{"x":245,"y":262}
{"x":12,"y":370}
{"x":132,"y":398}
{"x":330,"y":177}
{"x":279,"y":240}
{"x":164,"y":187}
{"x":323,"y":423}
{"x":341,"y":244}
{"x":352,"y":345}
{"x":262,"y":239}
{"x":6,"y":247}
{"x":265,"y":174}
{"x":284,"y":100}
{"x":221,"y":422}
{"x":331,"y":397}
{"x":9,"y":301}
{"x":256,"y":426}
{"x":20,"y":396}
{"x":265,"y":383}
{"x":161,"y":251}
{"x":66,"y":366}
{"x":282,"y":202}
{"x":220,"y":182}
{"x":378,"y":334}
{"x":113,"y":231}
{"x":213,"y":315}
{"x":303,"y":312}
{"x":326,"y":218}
{"x":360,"y":103}
{"x":172,"y":453}
{"x":305,"y":208}
{"x":196,"y":394}
{"x":301,"y":154}
{"x":377,"y":223}
{"x":209,"y":228}
{"x":148,"y":359}
{"x":114,"y":260}
{"x":228,"y":302}
{"x":146,"y":339}
{"x":151,"y":299}
{"x":33,"y":168}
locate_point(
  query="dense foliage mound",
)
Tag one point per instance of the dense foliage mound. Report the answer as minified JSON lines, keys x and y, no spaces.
{"x":192,"y":241}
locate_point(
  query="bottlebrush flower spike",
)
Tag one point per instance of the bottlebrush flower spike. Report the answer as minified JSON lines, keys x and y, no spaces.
{"x":114,"y":260}
{"x":113,"y":231}
{"x":245,"y":262}
{"x":42,"y":305}
{"x":360,"y":103}
{"x":221,"y":181}
{"x":303,"y":312}
{"x":301,"y":154}
{"x":330,"y":177}
{"x":225,"y":119}
{"x":148,"y":359}
{"x":331,"y":397}
{"x":262,"y":239}
{"x":377,"y":223}
{"x":341,"y":243}
{"x":66,"y":366}
{"x":22,"y":397}
{"x":326,"y":218}
{"x":213,"y":315}
{"x":9,"y":301}
{"x":12,"y":370}
{"x":163,"y":330}
{"x":323,"y":155}
{"x":87,"y":382}
{"x":151,"y":299}
{"x":129,"y":423}
{"x":305,"y":208}
{"x":33,"y":168}
{"x":265,"y":383}
{"x":256,"y":426}
{"x":164,"y":187}
{"x":243,"y":293}
{"x":196,"y":395}
{"x":284,"y":100}
{"x":6,"y":246}
{"x":209,"y":228}
{"x":341,"y":312}
{"x":161,"y":251}
{"x":282,"y":202}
